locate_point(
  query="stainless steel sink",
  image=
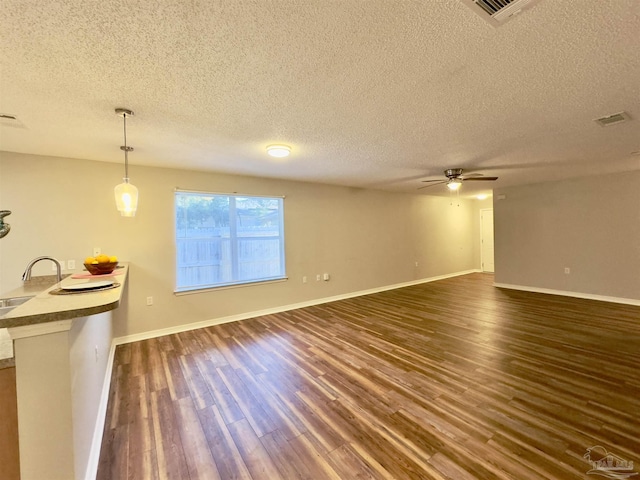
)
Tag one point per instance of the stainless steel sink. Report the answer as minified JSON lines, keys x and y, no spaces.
{"x":8,"y":304}
{"x":14,"y":301}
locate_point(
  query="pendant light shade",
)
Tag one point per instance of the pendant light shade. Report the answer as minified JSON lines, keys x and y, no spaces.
{"x":126,"y":194}
{"x":126,"y":198}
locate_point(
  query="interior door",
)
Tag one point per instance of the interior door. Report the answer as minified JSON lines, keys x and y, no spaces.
{"x":486,"y":239}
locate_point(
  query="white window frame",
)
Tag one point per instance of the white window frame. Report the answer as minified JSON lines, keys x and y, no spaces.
{"x":234,"y":239}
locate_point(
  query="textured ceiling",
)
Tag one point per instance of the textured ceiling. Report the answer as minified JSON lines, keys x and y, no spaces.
{"x":369,"y":93}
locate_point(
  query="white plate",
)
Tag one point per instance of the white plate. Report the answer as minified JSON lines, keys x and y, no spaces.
{"x":88,"y":285}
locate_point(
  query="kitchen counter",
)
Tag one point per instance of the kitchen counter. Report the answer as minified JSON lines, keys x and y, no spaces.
{"x":63,"y":350}
{"x":45,"y":307}
{"x":34,"y":286}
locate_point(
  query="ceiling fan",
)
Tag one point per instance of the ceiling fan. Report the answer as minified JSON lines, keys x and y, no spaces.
{"x":455,"y":179}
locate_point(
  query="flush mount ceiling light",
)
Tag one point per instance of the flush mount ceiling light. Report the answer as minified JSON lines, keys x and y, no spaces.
{"x":454,"y":184}
{"x":126,"y":193}
{"x":279,"y":151}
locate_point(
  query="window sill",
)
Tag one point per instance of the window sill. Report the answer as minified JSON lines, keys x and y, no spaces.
{"x":210,"y":288}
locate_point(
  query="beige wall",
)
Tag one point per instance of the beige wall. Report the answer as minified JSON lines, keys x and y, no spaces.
{"x":363,"y":238}
{"x":89,"y":343}
{"x":590,"y":224}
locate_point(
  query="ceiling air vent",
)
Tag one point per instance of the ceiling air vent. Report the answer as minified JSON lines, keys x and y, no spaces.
{"x":612,"y":119}
{"x":9,"y":120}
{"x":497,"y":12}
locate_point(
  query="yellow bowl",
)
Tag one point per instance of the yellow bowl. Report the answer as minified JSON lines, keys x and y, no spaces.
{"x":100,"y":268}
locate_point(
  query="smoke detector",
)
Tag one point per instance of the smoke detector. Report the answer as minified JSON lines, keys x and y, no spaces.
{"x":497,"y":12}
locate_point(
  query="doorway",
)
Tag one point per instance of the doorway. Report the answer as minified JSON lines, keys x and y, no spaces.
{"x":486,"y":240}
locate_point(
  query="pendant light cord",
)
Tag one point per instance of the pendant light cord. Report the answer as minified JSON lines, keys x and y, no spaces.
{"x":126,"y":150}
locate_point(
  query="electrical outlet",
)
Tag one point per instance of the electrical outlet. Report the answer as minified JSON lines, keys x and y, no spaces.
{"x":318,"y":278}
{"x":416,"y":264}
{"x":325,"y":277}
{"x":96,"y":251}
{"x":149,"y":301}
{"x":71,"y":264}
{"x":567,"y":270}
{"x":304,"y":279}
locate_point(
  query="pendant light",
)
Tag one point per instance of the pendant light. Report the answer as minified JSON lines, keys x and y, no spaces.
{"x":126,"y":193}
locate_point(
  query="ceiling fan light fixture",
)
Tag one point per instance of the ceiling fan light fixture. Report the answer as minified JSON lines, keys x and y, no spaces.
{"x":454,"y":184}
{"x":279,"y":150}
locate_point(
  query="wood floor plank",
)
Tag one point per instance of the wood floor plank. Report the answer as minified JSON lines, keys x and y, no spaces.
{"x":253,"y":411}
{"x":143,"y":465}
{"x":142,"y":462}
{"x":157,"y":376}
{"x":295,"y":457}
{"x":348,"y":464}
{"x":119,"y":396}
{"x":200,"y":393}
{"x":114,"y":456}
{"x":198,"y":457}
{"x":222,"y":397}
{"x":176,"y":383}
{"x":453,"y":379}
{"x":449,"y":468}
{"x":172,"y":464}
{"x":287,"y":461}
{"x":229,"y":462}
{"x":282,"y":417}
{"x":255,"y":457}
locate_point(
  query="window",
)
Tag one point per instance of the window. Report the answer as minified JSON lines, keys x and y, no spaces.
{"x":227,"y":240}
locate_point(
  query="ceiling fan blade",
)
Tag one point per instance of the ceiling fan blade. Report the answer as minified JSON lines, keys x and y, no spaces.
{"x":440,"y":182}
{"x":429,"y":181}
{"x":491,"y":179}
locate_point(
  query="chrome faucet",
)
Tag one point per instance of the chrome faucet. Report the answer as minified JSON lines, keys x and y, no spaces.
{"x":26,"y":276}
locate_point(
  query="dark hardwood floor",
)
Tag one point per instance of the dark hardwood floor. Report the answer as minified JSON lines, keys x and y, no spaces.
{"x":452,"y":379}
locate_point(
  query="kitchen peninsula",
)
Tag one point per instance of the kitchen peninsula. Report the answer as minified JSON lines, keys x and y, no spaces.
{"x":62,"y":345}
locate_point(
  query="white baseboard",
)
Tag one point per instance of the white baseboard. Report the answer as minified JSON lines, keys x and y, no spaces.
{"x":98,"y":431}
{"x":269,"y":311}
{"x":566,"y":293}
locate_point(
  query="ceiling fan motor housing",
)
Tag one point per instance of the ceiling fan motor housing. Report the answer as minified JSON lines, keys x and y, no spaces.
{"x":453,"y":172}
